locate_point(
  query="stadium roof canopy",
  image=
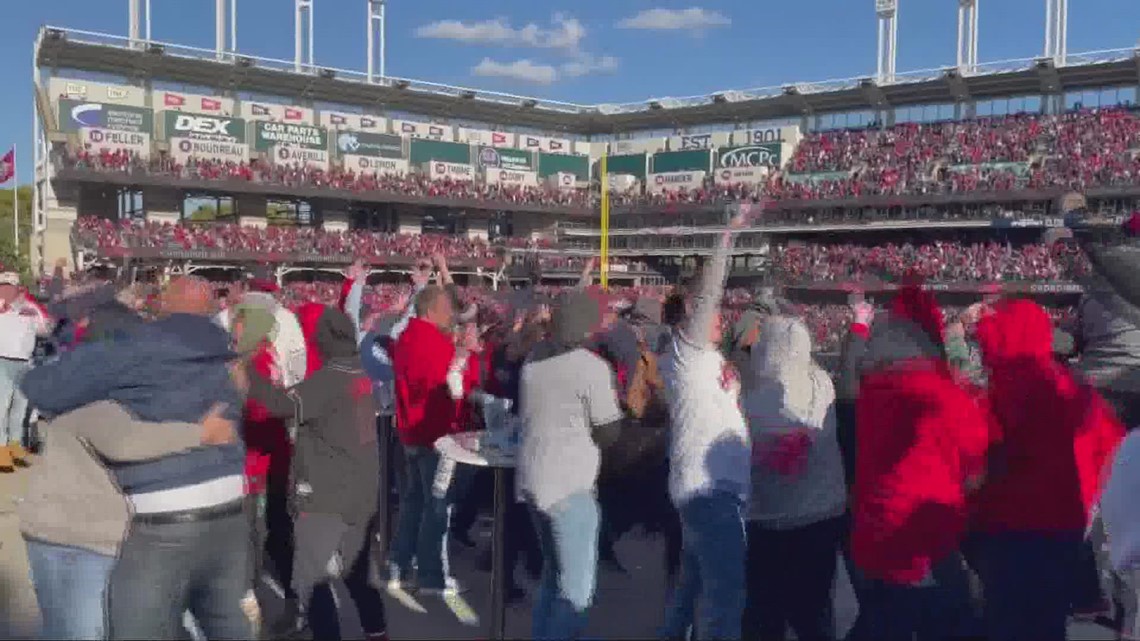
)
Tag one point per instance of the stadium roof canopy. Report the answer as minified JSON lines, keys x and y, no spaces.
{"x":94,"y":52}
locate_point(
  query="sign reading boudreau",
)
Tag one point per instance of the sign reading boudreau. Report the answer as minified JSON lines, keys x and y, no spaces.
{"x":272,"y":134}
{"x":206,"y":137}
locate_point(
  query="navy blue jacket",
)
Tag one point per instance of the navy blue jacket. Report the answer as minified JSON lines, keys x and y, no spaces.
{"x":174,"y":369}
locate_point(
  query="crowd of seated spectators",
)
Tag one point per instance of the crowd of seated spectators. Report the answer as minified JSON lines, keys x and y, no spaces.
{"x":989,"y":262}
{"x":104,"y":233}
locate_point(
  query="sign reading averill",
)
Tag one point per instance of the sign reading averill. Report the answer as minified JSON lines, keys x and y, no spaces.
{"x":273,"y":134}
{"x":290,"y":155}
{"x":205,"y":137}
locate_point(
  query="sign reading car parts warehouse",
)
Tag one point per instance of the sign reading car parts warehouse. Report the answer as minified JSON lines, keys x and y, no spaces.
{"x":272,"y":134}
{"x":206,"y":137}
{"x":765,"y":155}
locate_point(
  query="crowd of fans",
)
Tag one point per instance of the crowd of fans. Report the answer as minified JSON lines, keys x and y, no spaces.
{"x":1075,"y":151}
{"x":990,"y":262}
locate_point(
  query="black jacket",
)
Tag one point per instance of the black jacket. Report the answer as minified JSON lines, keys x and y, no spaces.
{"x":846,"y":393}
{"x":336,"y":461}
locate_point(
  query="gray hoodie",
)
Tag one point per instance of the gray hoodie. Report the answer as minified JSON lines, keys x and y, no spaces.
{"x":789,"y":394}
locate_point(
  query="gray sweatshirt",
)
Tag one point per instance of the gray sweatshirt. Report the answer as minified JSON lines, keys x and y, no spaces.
{"x":709,"y":448}
{"x":72,"y":499}
{"x":789,"y":394}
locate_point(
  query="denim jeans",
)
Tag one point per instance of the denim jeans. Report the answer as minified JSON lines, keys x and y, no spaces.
{"x":13,"y":403}
{"x":1028,"y":579}
{"x":938,"y":611}
{"x":165,"y":570}
{"x":321,"y":538}
{"x":71,"y":587}
{"x":568,"y":537}
{"x":712,"y":569}
{"x":421,"y":530}
{"x":791,"y":579}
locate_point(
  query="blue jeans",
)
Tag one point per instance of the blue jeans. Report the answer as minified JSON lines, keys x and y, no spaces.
{"x":71,"y":587}
{"x":421,"y":530}
{"x":1028,"y":579}
{"x":13,"y":403}
{"x":939,"y":611}
{"x":568,"y":537}
{"x":712,"y":569}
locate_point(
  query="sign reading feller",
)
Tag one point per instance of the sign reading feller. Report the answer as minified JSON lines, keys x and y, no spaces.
{"x":765,"y":155}
{"x":114,"y":140}
{"x":511,"y":177}
{"x":289,"y":155}
{"x":374,"y":165}
{"x":451,"y":170}
{"x":674,"y":181}
{"x":273,"y":134}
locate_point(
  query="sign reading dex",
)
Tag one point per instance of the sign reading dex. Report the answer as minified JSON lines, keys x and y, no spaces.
{"x":200,"y":125}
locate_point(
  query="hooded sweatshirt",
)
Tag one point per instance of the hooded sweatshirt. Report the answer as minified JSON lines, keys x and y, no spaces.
{"x":288,"y":339}
{"x":174,"y":369}
{"x":921,"y":439}
{"x":797,"y":472}
{"x":336,"y":463}
{"x":1054,"y":434}
{"x":425,"y":408}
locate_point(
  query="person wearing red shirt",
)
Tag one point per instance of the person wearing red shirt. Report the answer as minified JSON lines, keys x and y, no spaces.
{"x":921,"y":442}
{"x":1053,"y":436}
{"x":426,"y":409}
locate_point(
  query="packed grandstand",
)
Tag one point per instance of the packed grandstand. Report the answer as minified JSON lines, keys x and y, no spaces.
{"x":964,"y":204}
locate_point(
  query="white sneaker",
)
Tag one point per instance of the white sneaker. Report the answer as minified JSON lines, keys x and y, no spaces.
{"x":450,"y":587}
{"x":398,"y":579}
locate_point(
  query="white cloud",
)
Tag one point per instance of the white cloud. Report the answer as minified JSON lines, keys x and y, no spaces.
{"x":565,"y":32}
{"x":691,"y":19}
{"x":521,"y":70}
{"x":588,"y":64}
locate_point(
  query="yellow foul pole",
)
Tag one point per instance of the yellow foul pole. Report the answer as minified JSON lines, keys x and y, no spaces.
{"x":605,"y":258}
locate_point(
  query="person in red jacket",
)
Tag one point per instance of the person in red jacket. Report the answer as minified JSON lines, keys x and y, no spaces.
{"x":1053,"y":436}
{"x":425,"y":356}
{"x":921,"y":442}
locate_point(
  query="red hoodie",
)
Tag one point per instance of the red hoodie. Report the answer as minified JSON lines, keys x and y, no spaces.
{"x":920,"y":438}
{"x":425,"y":410}
{"x":1054,"y":433}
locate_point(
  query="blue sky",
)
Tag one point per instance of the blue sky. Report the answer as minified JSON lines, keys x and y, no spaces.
{"x":590,"y":51}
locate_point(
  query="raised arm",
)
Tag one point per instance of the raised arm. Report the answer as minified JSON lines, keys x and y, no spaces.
{"x":711,"y":287}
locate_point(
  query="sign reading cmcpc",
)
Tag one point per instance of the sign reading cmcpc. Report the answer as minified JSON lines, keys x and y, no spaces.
{"x":765,"y":155}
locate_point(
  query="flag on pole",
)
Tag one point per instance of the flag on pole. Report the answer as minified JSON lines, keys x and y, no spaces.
{"x":8,"y":166}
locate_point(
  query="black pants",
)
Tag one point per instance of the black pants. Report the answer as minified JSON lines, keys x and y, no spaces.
{"x":790,"y":581}
{"x":319,"y":539}
{"x":166,"y":569}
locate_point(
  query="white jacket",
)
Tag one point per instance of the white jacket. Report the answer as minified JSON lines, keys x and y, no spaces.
{"x":288,"y":339}
{"x":19,"y":325}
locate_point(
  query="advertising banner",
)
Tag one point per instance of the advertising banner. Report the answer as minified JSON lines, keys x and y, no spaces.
{"x":375,"y":165}
{"x":75,"y":115}
{"x":115,"y":140}
{"x":551,"y":164}
{"x":360,"y":143}
{"x":182,"y":149}
{"x":423,"y":151}
{"x":193,"y":103}
{"x":765,"y":135}
{"x":297,"y":155}
{"x":674,"y":181}
{"x":271,"y":134}
{"x":485,"y":138}
{"x":201,"y":127}
{"x":353,"y":122}
{"x":268,"y":111}
{"x":510,"y":177}
{"x":667,"y":162}
{"x":452,"y":170}
{"x":699,"y":141}
{"x":764,"y":155}
{"x":549,"y":145}
{"x":562,"y":180}
{"x":637,"y":146}
{"x":737,"y":175}
{"x":427,"y":130}
{"x":516,"y":159}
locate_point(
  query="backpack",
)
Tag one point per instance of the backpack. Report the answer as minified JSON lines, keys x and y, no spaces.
{"x":644,"y":440}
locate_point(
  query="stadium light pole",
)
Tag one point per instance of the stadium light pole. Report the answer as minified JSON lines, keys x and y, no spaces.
{"x":220,"y":29}
{"x":1057,"y":30}
{"x":887,"y":12}
{"x":133,"y":22}
{"x":233,"y":26}
{"x":376,"y":37}
{"x":967,"y":36}
{"x":303,"y":13}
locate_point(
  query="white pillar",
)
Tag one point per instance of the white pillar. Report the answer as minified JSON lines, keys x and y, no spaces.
{"x":887,"y":12}
{"x":220,"y":29}
{"x":967,"y":35}
{"x":302,"y":19}
{"x":376,"y":37}
{"x":133,"y":22}
{"x":233,"y":26}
